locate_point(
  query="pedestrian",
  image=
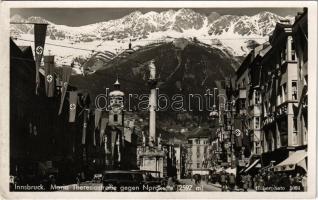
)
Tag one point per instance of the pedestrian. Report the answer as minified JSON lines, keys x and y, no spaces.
{"x":261,"y":183}
{"x":291,"y":182}
{"x":78,"y":179}
{"x":245,"y":183}
{"x":255,"y":180}
{"x":304,"y":182}
{"x":170,"y":184}
{"x":231,"y":182}
{"x":298,"y":183}
{"x":223,"y":180}
{"x":52,"y":182}
{"x":249,"y":180}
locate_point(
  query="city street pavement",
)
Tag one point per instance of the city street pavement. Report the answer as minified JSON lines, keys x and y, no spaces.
{"x":190,"y":186}
{"x":84,"y":186}
{"x":208,"y":186}
{"x":185,"y":185}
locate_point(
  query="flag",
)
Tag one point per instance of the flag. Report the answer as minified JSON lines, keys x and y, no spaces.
{"x":238,"y":132}
{"x":102,"y":129}
{"x":86,"y":113}
{"x":49,"y":75}
{"x":98,"y":114}
{"x":118,"y":148}
{"x":39,"y":41}
{"x":73,"y":103}
{"x":65,"y":79}
{"x":113,"y":141}
{"x":97,"y":120}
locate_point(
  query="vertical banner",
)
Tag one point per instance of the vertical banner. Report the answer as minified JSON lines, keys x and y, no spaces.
{"x":102,"y":129}
{"x":85,"y":115}
{"x":66,"y":73}
{"x":39,"y":41}
{"x":238,"y":127}
{"x":49,"y":75}
{"x":73,"y":103}
{"x":118,"y":148}
{"x":113,"y":141}
{"x":98,"y":114}
{"x":97,"y":120}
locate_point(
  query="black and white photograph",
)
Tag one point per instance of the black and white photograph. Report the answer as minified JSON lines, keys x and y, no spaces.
{"x":161,"y":99}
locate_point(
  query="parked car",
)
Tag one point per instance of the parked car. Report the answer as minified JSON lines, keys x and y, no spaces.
{"x":122,"y":180}
{"x":152,"y":179}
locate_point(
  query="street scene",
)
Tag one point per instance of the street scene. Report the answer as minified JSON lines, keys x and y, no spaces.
{"x":158,"y":99}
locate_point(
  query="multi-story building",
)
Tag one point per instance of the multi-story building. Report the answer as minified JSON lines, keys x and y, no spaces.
{"x":198,"y":150}
{"x":249,"y":95}
{"x":275,"y":77}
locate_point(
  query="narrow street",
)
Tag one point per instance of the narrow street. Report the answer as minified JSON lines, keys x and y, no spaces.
{"x":190,"y":186}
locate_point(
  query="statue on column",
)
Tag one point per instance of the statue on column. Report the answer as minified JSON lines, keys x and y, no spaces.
{"x":152,"y":142}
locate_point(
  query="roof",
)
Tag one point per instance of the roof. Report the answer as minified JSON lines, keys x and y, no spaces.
{"x":279,"y":31}
{"x":116,"y":93}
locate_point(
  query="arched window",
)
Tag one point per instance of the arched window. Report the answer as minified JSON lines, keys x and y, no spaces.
{"x":115,"y":118}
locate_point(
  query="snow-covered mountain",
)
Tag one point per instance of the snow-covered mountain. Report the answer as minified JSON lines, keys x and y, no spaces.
{"x":230,"y":32}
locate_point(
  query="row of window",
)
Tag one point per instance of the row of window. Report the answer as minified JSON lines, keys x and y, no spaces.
{"x":198,"y":141}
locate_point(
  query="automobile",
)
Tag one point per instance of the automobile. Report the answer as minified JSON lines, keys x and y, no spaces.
{"x":97,"y":178}
{"x":122,"y":180}
{"x":152,"y":180}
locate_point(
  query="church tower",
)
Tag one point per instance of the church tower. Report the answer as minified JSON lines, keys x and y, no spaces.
{"x":116,"y":115}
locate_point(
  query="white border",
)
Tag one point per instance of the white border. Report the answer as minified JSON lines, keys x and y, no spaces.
{"x":4,"y":101}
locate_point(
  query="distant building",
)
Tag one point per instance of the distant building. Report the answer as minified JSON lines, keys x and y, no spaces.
{"x":198,"y":150}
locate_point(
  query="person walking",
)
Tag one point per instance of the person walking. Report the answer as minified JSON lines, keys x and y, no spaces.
{"x":298,"y":183}
{"x":223,"y":180}
{"x":245,"y":183}
{"x":304,"y":182}
{"x":231,"y":182}
{"x":291,"y":183}
{"x":261,"y":183}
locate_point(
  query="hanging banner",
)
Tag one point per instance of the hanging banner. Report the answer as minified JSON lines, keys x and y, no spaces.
{"x":86,"y":113}
{"x":113,"y":141}
{"x":98,"y":114}
{"x":65,"y":80}
{"x":49,"y":75}
{"x":39,"y":41}
{"x":102,"y":129}
{"x":238,"y":135}
{"x":73,"y":103}
{"x":118,"y":149}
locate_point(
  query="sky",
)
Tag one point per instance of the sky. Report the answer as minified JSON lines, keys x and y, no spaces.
{"x":84,"y":16}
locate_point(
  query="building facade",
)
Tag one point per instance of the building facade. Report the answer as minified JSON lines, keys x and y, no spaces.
{"x":198,"y":150}
{"x":272,"y":93}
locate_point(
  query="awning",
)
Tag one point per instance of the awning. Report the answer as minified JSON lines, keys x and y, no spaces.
{"x":252,"y":165}
{"x":297,"y":158}
{"x":266,"y":168}
{"x":218,"y":169}
{"x":230,"y":170}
